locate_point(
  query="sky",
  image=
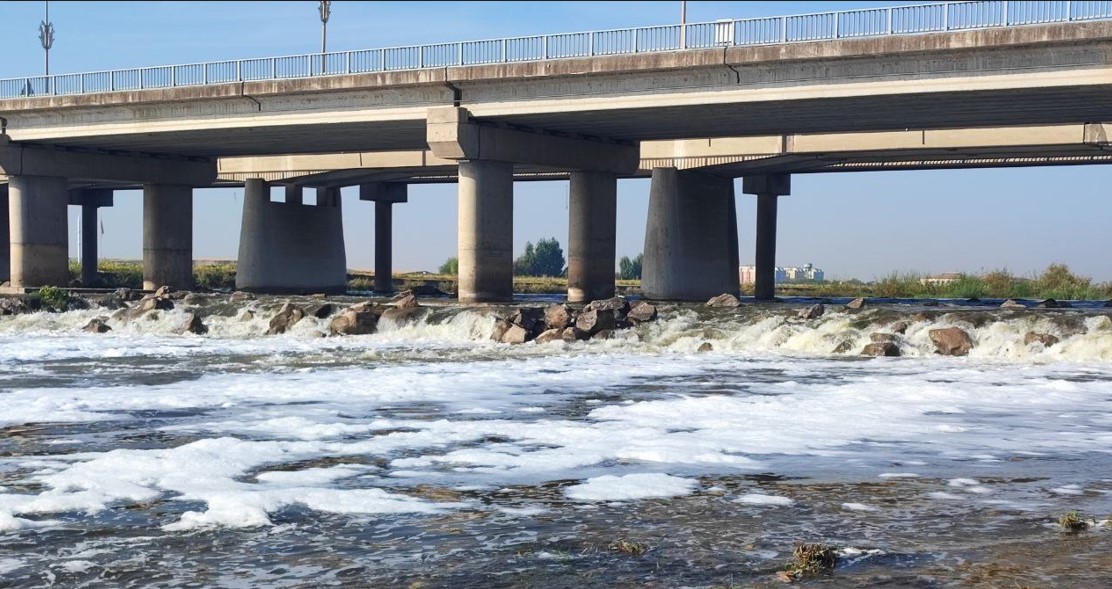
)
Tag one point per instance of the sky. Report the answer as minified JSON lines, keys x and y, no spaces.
{"x":863,"y":225}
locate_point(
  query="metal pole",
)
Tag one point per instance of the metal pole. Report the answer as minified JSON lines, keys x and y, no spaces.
{"x":683,"y":24}
{"x":46,"y":37}
{"x":325,"y":12}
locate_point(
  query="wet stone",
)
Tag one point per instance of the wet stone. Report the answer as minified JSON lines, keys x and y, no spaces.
{"x":725,"y":300}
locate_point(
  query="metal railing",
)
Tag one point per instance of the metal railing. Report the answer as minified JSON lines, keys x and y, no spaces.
{"x":868,"y":22}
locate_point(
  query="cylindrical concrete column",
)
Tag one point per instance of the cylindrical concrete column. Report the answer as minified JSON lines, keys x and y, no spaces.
{"x":384,"y":246}
{"x":764,"y":280}
{"x":486,"y":231}
{"x":39,"y":231}
{"x":690,"y":237}
{"x":88,"y":244}
{"x":592,"y":220}
{"x":167,"y":236}
{"x":5,"y":237}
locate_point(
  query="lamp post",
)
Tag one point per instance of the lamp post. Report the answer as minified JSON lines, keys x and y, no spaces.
{"x":683,"y":24}
{"x":325,"y":12}
{"x":46,"y":36}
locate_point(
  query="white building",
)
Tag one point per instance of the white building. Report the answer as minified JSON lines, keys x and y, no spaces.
{"x":808,"y":273}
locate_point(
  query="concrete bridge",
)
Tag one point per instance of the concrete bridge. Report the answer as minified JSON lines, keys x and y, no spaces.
{"x":966,"y":84}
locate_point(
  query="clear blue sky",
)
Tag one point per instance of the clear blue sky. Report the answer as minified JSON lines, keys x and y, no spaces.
{"x":862,"y":225}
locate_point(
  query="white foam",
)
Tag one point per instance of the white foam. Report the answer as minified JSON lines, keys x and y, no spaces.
{"x":858,"y":507}
{"x":898,"y":475}
{"x":630,"y":487}
{"x":761,"y":499}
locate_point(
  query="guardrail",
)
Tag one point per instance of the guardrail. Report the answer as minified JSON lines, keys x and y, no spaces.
{"x":867,"y":22}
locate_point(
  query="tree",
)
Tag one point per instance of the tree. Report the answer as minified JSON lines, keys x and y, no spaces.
{"x":544,"y":259}
{"x":450,"y":266}
{"x":630,"y":269}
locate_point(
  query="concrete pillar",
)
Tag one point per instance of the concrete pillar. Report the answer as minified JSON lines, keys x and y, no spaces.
{"x":768,"y":189}
{"x":39,"y":231}
{"x":486,"y":217}
{"x":690,"y":237}
{"x":5,"y":237}
{"x":288,"y":247}
{"x":592,"y":220}
{"x":294,"y":194}
{"x":88,"y":244}
{"x":384,"y":246}
{"x":167,"y":236}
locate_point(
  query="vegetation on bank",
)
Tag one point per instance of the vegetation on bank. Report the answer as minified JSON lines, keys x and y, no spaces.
{"x":1056,"y":282}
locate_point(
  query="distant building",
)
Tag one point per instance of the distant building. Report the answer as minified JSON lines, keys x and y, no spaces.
{"x":940,"y":279}
{"x":808,"y":273}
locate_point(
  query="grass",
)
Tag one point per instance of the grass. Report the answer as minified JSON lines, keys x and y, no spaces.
{"x":624,"y":546}
{"x":1073,"y":522}
{"x":810,"y":559}
{"x":54,"y":299}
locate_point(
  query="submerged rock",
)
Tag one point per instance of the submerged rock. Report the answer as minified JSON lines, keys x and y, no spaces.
{"x":882,"y":338}
{"x":812,"y":312}
{"x":641,"y":312}
{"x":97,"y":325}
{"x":550,"y":335}
{"x":319,"y":310}
{"x":843,"y":347}
{"x":1012,"y":304}
{"x":240,"y":296}
{"x":399,"y":314}
{"x":286,"y":318}
{"x":951,"y":341}
{"x":1045,"y":339}
{"x":1053,"y":304}
{"x":725,"y":300}
{"x":361,"y":319}
{"x":888,"y":348}
{"x":573,"y":334}
{"x":192,"y":324}
{"x":856,"y":304}
{"x":899,"y":327}
{"x":406,"y":300}
{"x":706,"y":347}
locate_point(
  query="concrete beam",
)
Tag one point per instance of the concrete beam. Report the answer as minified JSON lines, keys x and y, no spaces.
{"x":38,"y":160}
{"x":94,"y":197}
{"x":453,"y":134}
{"x":384,"y":192}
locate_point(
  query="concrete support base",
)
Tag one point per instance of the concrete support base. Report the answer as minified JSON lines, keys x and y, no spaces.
{"x":288,"y":247}
{"x":768,"y":189}
{"x":39,"y":231}
{"x":592,"y":222}
{"x":486,"y":231}
{"x":167,"y":236}
{"x":690,"y":238}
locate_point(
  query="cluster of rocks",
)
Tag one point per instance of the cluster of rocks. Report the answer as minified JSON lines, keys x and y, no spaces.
{"x":160,"y":300}
{"x":559,"y":322}
{"x":358,"y":319}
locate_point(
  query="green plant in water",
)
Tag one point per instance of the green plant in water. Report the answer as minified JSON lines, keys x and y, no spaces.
{"x":1073,"y":522}
{"x":630,"y":547}
{"x":811,"y":559}
{"x":54,"y":299}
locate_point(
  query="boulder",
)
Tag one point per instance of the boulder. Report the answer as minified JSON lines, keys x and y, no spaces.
{"x":573,"y":334}
{"x":531,"y":319}
{"x":881,"y":349}
{"x":240,"y":296}
{"x":192,"y":324}
{"x":247,"y":315}
{"x":163,"y":291}
{"x":951,"y":341}
{"x":842,"y":348}
{"x":557,"y":316}
{"x":1045,"y":339}
{"x":899,"y":327}
{"x":150,"y":303}
{"x":1012,"y":304}
{"x":12,"y":306}
{"x":286,"y":318}
{"x":399,"y":314}
{"x":882,"y":338}
{"x":706,"y":347}
{"x":856,"y":304}
{"x":110,"y":302}
{"x":1053,"y":304}
{"x":406,"y":301}
{"x":725,"y":300}
{"x":319,"y":310}
{"x":97,"y":326}
{"x":126,"y":294}
{"x":361,"y":319}
{"x":812,"y":312}
{"x":515,"y":334}
{"x":593,"y":321}
{"x":619,"y":305}
{"x":604,"y":334}
{"x":500,"y":329}
{"x":550,"y":335}
{"x":641,"y":312}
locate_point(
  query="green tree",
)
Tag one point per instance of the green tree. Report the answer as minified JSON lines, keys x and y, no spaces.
{"x":450,"y":266}
{"x":523,"y":266}
{"x":630,"y":269}
{"x":544,"y":259}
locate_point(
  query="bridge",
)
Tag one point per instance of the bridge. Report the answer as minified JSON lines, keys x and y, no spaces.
{"x":944,"y":85}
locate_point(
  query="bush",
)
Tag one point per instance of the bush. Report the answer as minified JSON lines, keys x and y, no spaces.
{"x":450,"y":267}
{"x":54,"y":299}
{"x":630,"y":269}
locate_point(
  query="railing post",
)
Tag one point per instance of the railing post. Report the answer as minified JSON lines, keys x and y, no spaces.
{"x":946,"y":16}
{"x":112,"y":81}
{"x":82,"y":83}
{"x":347,"y":62}
{"x":206,"y":74}
{"x":591,"y":40}
{"x":1006,"y":3}
{"x":546,"y":46}
{"x":239,"y":70}
{"x":783,"y":29}
{"x":889,"y":21}
{"x":1069,"y":10}
{"x":173,"y":78}
{"x":383,"y":60}
{"x":141,"y":87}
{"x":460,"y":52}
{"x":635,"y":37}
{"x":837,"y":22}
{"x":503,"y":51}
{"x":421,"y":56}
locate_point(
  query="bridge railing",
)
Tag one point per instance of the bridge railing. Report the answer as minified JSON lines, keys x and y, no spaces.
{"x":867,"y":22}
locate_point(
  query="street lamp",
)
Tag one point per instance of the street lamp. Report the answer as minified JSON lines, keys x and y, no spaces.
{"x":683,"y":24}
{"x":46,"y":36}
{"x":325,"y":12}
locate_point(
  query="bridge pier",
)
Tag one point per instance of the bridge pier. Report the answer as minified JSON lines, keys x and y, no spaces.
{"x":384,"y":195}
{"x":5,"y":236}
{"x":486,"y":231}
{"x":90,"y":200}
{"x":768,"y":189}
{"x":592,"y":224}
{"x":39,"y":231}
{"x":290,"y":247}
{"x":167,"y":236}
{"x":691,"y":228}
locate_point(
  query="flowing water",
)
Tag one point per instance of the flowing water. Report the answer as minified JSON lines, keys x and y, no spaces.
{"x":427,"y":455}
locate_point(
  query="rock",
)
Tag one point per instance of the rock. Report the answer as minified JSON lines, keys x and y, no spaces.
{"x":126,"y":294}
{"x":882,"y":338}
{"x":319,"y":310}
{"x":573,"y":334}
{"x":516,"y":334}
{"x":550,"y":335}
{"x":881,"y":349}
{"x":531,"y":319}
{"x":604,"y":334}
{"x":150,"y":303}
{"x":361,"y":319}
{"x":163,"y":291}
{"x":641,"y":312}
{"x":427,"y":290}
{"x":812,"y":312}
{"x":557,"y":316}
{"x":1045,"y":339}
{"x":240,"y":296}
{"x":856,"y":304}
{"x":12,"y":306}
{"x":247,"y":315}
{"x":399,"y":315}
{"x":110,"y":302}
{"x":951,"y":341}
{"x":286,"y":318}
{"x":619,"y":305}
{"x":725,"y":300}
{"x":194,"y":299}
{"x":1053,"y":304}
{"x":1108,"y":304}
{"x":97,"y":326}
{"x":500,"y":329}
{"x":192,"y":324}
{"x":842,"y":348}
{"x":1012,"y":304}
{"x":407,"y":301}
{"x":706,"y":347}
{"x":318,"y":296}
{"x":899,"y":327}
{"x":593,"y":321}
